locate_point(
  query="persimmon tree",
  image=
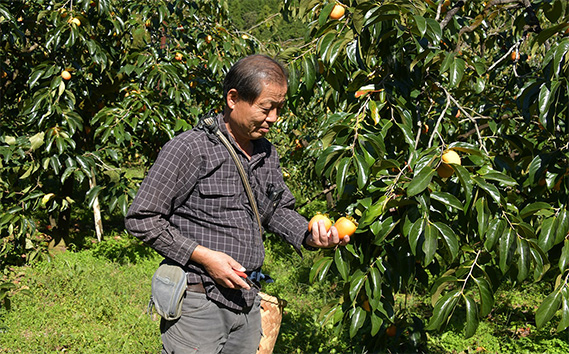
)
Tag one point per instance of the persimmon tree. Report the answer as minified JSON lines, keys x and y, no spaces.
{"x":136,"y":73}
{"x":396,"y":84}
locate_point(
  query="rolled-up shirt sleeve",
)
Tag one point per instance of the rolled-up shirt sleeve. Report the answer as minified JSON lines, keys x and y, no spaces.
{"x":168,"y":183}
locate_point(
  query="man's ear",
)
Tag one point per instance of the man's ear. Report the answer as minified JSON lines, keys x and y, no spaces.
{"x":232,"y":98}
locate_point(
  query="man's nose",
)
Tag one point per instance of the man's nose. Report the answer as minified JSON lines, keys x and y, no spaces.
{"x":273,"y":115}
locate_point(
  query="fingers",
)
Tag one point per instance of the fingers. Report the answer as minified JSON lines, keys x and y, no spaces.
{"x":326,"y":239}
{"x":319,"y":236}
{"x":334,"y":238}
{"x":242,"y":283}
{"x":222,"y":268}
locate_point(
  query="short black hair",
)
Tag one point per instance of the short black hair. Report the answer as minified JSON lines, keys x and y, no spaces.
{"x":249,"y":74}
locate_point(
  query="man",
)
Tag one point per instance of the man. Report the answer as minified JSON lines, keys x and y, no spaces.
{"x":192,"y":209}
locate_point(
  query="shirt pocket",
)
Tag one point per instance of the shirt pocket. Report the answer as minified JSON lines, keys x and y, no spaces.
{"x":214,"y":188}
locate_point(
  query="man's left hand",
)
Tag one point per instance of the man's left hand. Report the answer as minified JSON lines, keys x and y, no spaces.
{"x":321,"y":238}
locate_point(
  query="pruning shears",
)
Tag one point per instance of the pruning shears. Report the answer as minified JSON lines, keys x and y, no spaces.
{"x":247,"y":280}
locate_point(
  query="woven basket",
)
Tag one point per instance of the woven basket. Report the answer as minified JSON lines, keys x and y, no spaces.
{"x":271,"y":316}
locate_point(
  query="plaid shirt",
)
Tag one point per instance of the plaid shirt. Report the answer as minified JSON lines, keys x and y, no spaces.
{"x":193,"y":195}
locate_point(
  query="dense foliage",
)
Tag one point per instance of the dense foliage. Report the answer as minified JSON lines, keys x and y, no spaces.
{"x":398,"y":84}
{"x":138,"y":72}
{"x":89,"y":88}
{"x":263,"y":21}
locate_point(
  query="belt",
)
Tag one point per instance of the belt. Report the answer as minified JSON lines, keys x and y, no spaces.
{"x":196,"y":288}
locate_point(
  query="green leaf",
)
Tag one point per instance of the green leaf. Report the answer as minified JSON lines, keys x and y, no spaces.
{"x":445,"y":65}
{"x":564,"y":323}
{"x":382,"y":228}
{"x":421,"y":24}
{"x":447,"y":199}
{"x":356,"y":284}
{"x":325,"y":44}
{"x":496,"y":228}
{"x":532,"y":208}
{"x":466,"y":182}
{"x":488,"y":188}
{"x":85,"y":164}
{"x":358,"y":318}
{"x":536,"y":168}
{"x":407,"y":134}
{"x":328,"y":156}
{"x":471,"y":317}
{"x":456,"y":72}
{"x":415,"y":233}
{"x":362,"y":168}
{"x":546,"y":96}
{"x":34,"y":77}
{"x":325,"y":13}
{"x":506,"y":249}
{"x":486,"y":296}
{"x":431,"y":242}
{"x":541,"y":263}
{"x":441,"y":283}
{"x":479,"y":85}
{"x":524,"y":260}
{"x":560,"y":52}
{"x":546,"y":238}
{"x":293,"y":80}
{"x":320,"y":269}
{"x":563,"y":225}
{"x":450,"y":238}
{"x":92,"y":194}
{"x":375,"y":277}
{"x":341,"y":175}
{"x":309,"y":71}
{"x":376,"y":323}
{"x":500,"y":177}
{"x":564,"y":258}
{"x":443,"y":309}
{"x":434,"y":29}
{"x":371,"y":213}
{"x":548,"y":308}
{"x":481,"y":216}
{"x":342,"y":265}
{"x":421,"y":181}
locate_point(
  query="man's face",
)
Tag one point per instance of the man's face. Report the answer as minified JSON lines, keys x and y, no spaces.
{"x":252,"y":121}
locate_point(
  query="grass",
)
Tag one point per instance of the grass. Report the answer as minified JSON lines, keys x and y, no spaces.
{"x":95,"y":301}
{"x":81,"y":303}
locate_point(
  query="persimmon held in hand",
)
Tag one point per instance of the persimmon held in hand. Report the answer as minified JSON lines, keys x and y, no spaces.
{"x":318,"y":217}
{"x":346,"y":226}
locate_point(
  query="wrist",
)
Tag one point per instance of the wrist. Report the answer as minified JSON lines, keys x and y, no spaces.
{"x":200,"y":255}
{"x":306,"y":245}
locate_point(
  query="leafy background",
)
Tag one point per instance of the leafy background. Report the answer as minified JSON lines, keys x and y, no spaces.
{"x":376,"y":97}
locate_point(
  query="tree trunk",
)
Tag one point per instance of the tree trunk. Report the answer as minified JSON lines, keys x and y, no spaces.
{"x":96,"y":210}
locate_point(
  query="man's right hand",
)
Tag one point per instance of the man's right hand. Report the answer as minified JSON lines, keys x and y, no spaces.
{"x":221,"y":267}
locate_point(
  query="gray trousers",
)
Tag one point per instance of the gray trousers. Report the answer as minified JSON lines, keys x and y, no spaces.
{"x":208,"y":328}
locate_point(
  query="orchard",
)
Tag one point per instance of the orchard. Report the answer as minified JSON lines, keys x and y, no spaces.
{"x":403,"y":89}
{"x":438,"y":129}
